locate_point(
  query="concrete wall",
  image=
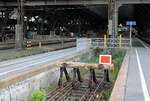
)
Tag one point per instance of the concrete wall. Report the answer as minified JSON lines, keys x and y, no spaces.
{"x":21,"y":91}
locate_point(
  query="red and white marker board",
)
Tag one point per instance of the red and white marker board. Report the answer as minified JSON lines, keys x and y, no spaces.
{"x":105,"y":59}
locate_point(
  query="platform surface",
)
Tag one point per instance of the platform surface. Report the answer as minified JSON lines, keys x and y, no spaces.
{"x":20,"y":65}
{"x":138,"y":77}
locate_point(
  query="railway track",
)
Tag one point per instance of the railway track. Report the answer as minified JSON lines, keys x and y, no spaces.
{"x":10,"y":45}
{"x":89,"y":95}
{"x":80,"y":92}
{"x":61,"y":93}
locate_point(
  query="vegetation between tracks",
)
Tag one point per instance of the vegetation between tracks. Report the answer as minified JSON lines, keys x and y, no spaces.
{"x":38,"y":96}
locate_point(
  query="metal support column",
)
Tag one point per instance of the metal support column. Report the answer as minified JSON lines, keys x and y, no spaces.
{"x":20,"y":25}
{"x":77,"y":71}
{"x":74,"y":76}
{"x":79,"y":75}
{"x":116,"y":19}
{"x":66,"y":74}
{"x":94,"y":76}
{"x":60,"y":78}
{"x":106,"y":76}
{"x":112,"y":18}
{"x":26,"y":26}
{"x":91,"y":79}
{"x":110,"y":22}
{"x":63,"y":69}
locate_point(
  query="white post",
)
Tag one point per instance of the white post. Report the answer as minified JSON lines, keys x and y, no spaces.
{"x":131,"y":35}
{"x":62,"y":41}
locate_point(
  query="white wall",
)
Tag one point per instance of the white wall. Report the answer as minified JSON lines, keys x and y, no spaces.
{"x":21,"y":91}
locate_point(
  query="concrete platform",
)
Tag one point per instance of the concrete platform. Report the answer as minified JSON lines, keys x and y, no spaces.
{"x":119,"y":88}
{"x":133,"y":83}
{"x":16,"y":53}
{"x":17,"y":70}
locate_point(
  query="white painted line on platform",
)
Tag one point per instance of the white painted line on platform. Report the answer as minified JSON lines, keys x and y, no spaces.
{"x":144,"y":87}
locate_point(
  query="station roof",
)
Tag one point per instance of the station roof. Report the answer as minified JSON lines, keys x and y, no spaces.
{"x":72,"y":2}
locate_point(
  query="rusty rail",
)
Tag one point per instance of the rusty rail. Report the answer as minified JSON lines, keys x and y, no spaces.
{"x":62,"y":93}
{"x":90,"y":95}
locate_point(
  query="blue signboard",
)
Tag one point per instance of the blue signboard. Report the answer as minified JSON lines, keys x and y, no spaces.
{"x":128,"y":23}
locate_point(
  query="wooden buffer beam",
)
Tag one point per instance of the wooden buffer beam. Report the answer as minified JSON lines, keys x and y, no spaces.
{"x":76,"y":66}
